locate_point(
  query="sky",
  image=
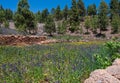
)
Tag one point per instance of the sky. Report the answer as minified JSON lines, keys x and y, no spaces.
{"x":36,"y":5}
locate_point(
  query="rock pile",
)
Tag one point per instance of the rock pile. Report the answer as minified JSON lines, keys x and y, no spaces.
{"x":13,"y":40}
{"x":109,"y":75}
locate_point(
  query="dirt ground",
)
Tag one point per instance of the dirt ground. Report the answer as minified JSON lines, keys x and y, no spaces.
{"x":14,"y":40}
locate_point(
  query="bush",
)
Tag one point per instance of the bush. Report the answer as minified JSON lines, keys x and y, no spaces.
{"x":115,"y":24}
{"x":73,"y":27}
{"x":87,"y":23}
{"x":110,"y":51}
{"x":62,"y":27}
{"x":6,"y":24}
{"x":50,"y":25}
{"x":113,"y":47}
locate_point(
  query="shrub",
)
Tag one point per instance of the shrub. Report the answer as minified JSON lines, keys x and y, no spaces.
{"x":62,"y":27}
{"x":115,"y":24}
{"x":6,"y":24}
{"x":110,"y":51}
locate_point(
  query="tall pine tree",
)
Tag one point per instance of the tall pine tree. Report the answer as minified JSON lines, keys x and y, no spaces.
{"x":8,"y":14}
{"x":114,"y":7}
{"x":74,"y":18}
{"x":103,"y":15}
{"x":24,"y":18}
{"x":38,"y":16}
{"x":45,"y":14}
{"x":65,"y":12}
{"x":81,"y":8}
{"x":50,"y":25}
{"x":2,"y":15}
{"x":91,"y":10}
{"x":58,"y":15}
{"x":115,"y":23}
{"x":74,"y":13}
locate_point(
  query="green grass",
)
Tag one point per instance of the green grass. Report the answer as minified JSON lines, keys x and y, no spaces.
{"x":56,"y":63}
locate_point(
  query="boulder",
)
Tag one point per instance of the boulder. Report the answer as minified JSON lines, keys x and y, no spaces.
{"x":114,"y":71}
{"x":109,"y":75}
{"x":101,"y":76}
{"x":116,"y":62}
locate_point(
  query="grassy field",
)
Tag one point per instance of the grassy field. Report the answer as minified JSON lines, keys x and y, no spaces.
{"x":54,"y":63}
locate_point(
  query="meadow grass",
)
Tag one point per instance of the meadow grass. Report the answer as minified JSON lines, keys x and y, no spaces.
{"x":56,"y":63}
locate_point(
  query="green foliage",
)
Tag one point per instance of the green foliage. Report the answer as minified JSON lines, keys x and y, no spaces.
{"x":5,"y":16}
{"x":74,"y":17}
{"x":87,"y":23}
{"x":91,"y":10}
{"x":109,"y":52}
{"x":8,"y":14}
{"x":45,"y":14}
{"x":6,"y":24}
{"x":23,"y":4}
{"x":41,"y":17}
{"x":115,"y":23}
{"x":62,"y":27}
{"x":65,"y":12}
{"x":50,"y":25}
{"x":19,"y":21}
{"x":113,"y":47}
{"x":58,"y":14}
{"x":2,"y":16}
{"x":94,"y":23}
{"x":38,"y":17}
{"x":81,"y":8}
{"x":53,"y":11}
{"x":24,"y":18}
{"x":74,"y":13}
{"x":73,"y":27}
{"x":64,"y":63}
{"x":102,"y":15}
{"x":102,"y":62}
{"x":114,"y":7}
{"x":1,"y":7}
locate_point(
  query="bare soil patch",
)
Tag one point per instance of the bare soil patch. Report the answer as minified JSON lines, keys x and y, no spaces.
{"x":20,"y":40}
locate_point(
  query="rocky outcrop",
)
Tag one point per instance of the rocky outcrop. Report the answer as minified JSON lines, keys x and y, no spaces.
{"x":13,"y":40}
{"x":109,"y":75}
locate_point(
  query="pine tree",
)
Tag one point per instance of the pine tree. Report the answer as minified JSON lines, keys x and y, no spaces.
{"x":81,"y":8}
{"x":94,"y":23}
{"x":114,"y":7}
{"x":87,"y":23}
{"x":22,"y":5}
{"x":50,"y":25}
{"x":58,"y":15}
{"x":38,"y":17}
{"x":52,"y":11}
{"x":62,"y":27}
{"x":74,"y":13}
{"x":102,"y":16}
{"x":2,"y":15}
{"x":65,"y":12}
{"x":91,"y":10}
{"x":8,"y":14}
{"x":6,"y":24}
{"x":115,"y":23}
{"x":74,"y":18}
{"x":45,"y":14}
{"x":1,"y":8}
{"x":24,"y":18}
